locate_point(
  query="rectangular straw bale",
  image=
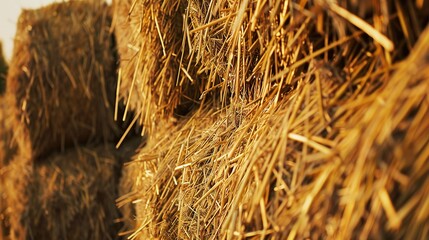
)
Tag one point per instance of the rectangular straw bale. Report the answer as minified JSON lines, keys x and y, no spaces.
{"x":152,"y":81}
{"x":341,"y":155}
{"x":67,"y":196}
{"x":62,"y":75}
{"x":283,"y":173}
{"x":247,"y":48}
{"x":232,"y":51}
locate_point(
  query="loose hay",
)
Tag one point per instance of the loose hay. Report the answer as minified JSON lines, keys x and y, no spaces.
{"x":321,"y":130}
{"x":62,"y":75}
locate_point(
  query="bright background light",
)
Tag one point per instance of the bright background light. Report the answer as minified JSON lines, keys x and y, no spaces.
{"x":9,"y":13}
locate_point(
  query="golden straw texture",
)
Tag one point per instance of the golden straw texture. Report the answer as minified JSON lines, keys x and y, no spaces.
{"x":311,"y":124}
{"x":62,"y":76}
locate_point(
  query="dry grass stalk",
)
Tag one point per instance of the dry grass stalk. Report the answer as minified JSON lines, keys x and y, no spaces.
{"x":62,"y":76}
{"x":318,"y":136}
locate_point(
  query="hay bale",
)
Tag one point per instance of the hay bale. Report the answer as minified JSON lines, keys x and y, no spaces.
{"x":62,"y":76}
{"x":329,"y":141}
{"x":68,"y":196}
{"x":285,"y":173}
{"x":153,"y":82}
{"x":233,"y":51}
{"x":248,"y":49}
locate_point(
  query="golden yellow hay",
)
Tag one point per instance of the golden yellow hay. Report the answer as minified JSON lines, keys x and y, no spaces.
{"x":62,"y":75}
{"x":319,"y":130}
{"x":191,"y":52}
{"x":286,"y":171}
{"x":153,"y":80}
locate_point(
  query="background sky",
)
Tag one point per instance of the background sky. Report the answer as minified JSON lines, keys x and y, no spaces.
{"x":9,"y":13}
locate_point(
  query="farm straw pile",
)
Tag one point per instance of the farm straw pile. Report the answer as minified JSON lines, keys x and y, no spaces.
{"x":309,"y":118}
{"x":59,"y":168}
{"x":265,"y":119}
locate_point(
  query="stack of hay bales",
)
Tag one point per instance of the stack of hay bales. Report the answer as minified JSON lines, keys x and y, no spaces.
{"x":312,"y":121}
{"x":60,"y":173}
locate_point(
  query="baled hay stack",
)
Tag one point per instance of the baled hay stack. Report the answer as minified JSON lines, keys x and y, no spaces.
{"x":330,"y":140}
{"x":250,"y":48}
{"x":232,"y":50}
{"x":62,"y":75}
{"x":154,"y":79}
{"x":68,"y":196}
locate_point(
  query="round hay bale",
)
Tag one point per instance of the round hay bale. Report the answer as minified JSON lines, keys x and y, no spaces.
{"x":62,"y":75}
{"x":68,"y":196}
